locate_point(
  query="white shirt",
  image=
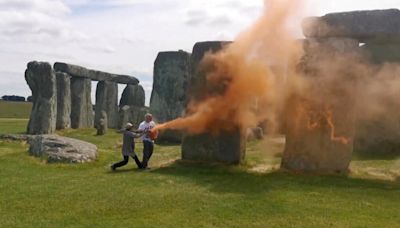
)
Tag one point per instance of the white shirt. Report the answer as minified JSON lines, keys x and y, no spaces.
{"x":145,"y":126}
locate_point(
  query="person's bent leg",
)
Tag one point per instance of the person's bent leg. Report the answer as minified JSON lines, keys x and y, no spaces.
{"x":121,"y":163}
{"x":138,"y":163}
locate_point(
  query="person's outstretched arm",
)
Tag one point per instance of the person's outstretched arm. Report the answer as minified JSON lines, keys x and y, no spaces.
{"x":135,"y":134}
{"x":121,"y":130}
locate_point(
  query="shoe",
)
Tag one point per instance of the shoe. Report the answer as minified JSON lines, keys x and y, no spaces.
{"x":112,"y":168}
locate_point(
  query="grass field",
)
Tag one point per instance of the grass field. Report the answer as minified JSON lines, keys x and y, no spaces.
{"x":9,"y":109}
{"x":177,"y":194}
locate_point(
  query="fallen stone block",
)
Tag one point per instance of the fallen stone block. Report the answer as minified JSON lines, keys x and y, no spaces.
{"x":95,"y":75}
{"x":59,"y":149}
{"x":365,"y":26}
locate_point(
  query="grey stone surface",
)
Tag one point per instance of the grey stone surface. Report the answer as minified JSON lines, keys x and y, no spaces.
{"x":81,"y":103}
{"x":16,"y":137}
{"x":125,"y":79}
{"x":309,"y":143}
{"x":320,"y":53}
{"x":42,"y":82}
{"x":365,"y":26}
{"x":171,"y":72}
{"x":201,"y":48}
{"x":320,"y":122}
{"x":132,"y":114}
{"x":63,"y":101}
{"x":197,"y":88}
{"x":170,"y":136}
{"x":78,"y":71}
{"x":379,"y":136}
{"x":133,"y":95}
{"x":101,"y":126}
{"x":55,"y":148}
{"x":329,"y":47}
{"x":382,"y":53}
{"x":107,"y":101}
{"x":378,"y":128}
{"x":226,"y":147}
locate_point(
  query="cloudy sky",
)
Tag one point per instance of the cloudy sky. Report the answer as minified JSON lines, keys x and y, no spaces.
{"x":124,"y":36}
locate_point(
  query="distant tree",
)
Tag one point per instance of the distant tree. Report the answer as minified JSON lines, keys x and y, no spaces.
{"x":13,"y":98}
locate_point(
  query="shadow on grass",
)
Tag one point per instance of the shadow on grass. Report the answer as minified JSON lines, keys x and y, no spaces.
{"x":226,"y":179}
{"x":119,"y":171}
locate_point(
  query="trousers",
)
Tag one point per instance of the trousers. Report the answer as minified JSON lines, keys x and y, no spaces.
{"x":125,"y":161}
{"x":148,"y":148}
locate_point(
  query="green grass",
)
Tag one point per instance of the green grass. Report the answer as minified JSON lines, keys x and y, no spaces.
{"x":10,"y":109}
{"x":176,"y":194}
{"x":13,"y":126}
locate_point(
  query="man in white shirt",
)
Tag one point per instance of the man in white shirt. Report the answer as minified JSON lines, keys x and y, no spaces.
{"x":148,"y":143}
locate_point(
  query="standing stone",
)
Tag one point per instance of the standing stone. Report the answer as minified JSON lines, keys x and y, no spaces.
{"x":133,"y":95}
{"x":318,"y":139}
{"x":132,"y":114}
{"x":81,"y":103}
{"x":42,"y":81}
{"x":320,"y":121}
{"x":378,"y":130}
{"x":63,"y":101}
{"x":171,"y":72}
{"x":102,"y":125}
{"x":107,"y":101}
{"x":197,"y":80}
{"x":131,"y":105}
{"x":226,"y":147}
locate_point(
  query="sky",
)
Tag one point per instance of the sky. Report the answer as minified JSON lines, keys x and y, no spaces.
{"x":124,"y":36}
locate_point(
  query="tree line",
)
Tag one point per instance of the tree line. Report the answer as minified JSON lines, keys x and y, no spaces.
{"x":16,"y":98}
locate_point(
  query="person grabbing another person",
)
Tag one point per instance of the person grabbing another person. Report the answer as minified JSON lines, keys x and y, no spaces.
{"x":128,"y":147}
